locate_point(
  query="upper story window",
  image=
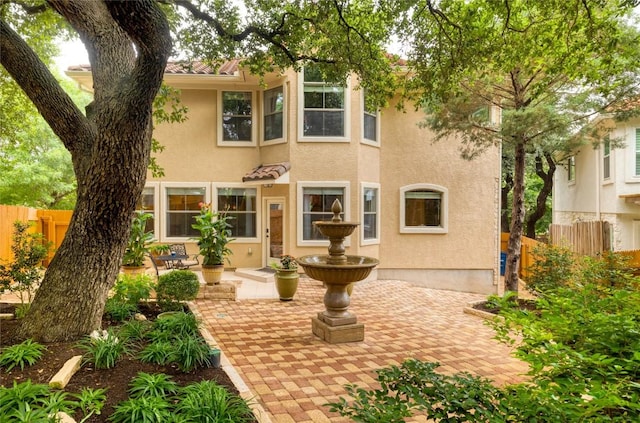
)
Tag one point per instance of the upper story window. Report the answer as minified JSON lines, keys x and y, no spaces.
{"x":323,"y":107}
{"x":606,"y":160}
{"x":182,"y":204}
{"x":314,"y":202}
{"x":370,"y":233}
{"x":571,"y":169}
{"x":369,"y":121}
{"x":424,"y":209}
{"x":637,"y":164}
{"x":273,"y":123}
{"x":236,"y":127}
{"x":241,"y":205}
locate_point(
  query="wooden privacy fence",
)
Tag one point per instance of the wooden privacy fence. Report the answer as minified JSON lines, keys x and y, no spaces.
{"x":526,"y":253}
{"x":52,"y":224}
{"x":584,"y":238}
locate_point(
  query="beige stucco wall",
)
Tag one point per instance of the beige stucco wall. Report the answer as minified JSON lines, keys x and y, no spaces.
{"x":465,"y":258}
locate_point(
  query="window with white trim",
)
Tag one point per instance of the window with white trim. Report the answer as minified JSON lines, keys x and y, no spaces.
{"x":236,"y":126}
{"x":606,"y":160}
{"x":182,"y":204}
{"x":571,"y":169}
{"x":324,"y":111}
{"x":314,"y":204}
{"x":273,"y":114}
{"x":369,"y":121}
{"x":637,"y":163}
{"x":147,"y":204}
{"x":423,"y":209}
{"x":241,"y":205}
{"x":370,"y":226}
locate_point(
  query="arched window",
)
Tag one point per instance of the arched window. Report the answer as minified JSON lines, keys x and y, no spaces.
{"x":423,"y":209}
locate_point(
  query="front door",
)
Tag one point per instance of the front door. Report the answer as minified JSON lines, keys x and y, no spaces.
{"x":274,"y":230}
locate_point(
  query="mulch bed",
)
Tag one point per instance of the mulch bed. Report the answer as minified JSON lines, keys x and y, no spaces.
{"x":115,"y":380}
{"x":523,"y":304}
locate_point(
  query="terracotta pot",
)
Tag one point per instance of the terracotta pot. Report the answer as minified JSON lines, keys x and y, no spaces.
{"x":287,"y":283}
{"x":212,"y":275}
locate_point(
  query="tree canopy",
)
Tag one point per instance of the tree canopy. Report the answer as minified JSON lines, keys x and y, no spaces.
{"x":526,"y":76}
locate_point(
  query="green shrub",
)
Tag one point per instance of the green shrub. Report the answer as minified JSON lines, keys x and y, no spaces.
{"x":158,"y":352}
{"x":13,"y":399}
{"x":142,"y":410}
{"x":177,"y":286}
{"x":24,"y":354}
{"x":179,"y":324}
{"x":132,"y":289}
{"x":154,"y":385}
{"x":119,"y":311}
{"x":190,"y":352}
{"x":103,"y":349}
{"x":134,"y":330}
{"x":552,"y":268}
{"x":207,"y":401}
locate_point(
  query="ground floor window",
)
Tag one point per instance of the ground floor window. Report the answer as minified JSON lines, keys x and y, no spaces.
{"x":182,"y":205}
{"x":370,"y":208}
{"x":423,"y":209}
{"x":240,"y":204}
{"x":314,"y":202}
{"x":147,"y":204}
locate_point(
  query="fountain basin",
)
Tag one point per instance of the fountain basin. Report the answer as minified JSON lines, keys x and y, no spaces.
{"x":334,"y":230}
{"x":355,"y":268}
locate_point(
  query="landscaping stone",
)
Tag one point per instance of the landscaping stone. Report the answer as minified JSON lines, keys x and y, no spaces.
{"x":60,"y":379}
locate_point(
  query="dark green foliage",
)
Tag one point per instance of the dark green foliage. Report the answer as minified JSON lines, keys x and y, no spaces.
{"x":551,"y":268}
{"x":104,"y":350}
{"x":119,"y":311}
{"x":157,"y":352}
{"x":156,"y":385}
{"x":24,"y":354}
{"x":28,"y":402}
{"x":190,"y":352}
{"x":142,"y":410}
{"x":176,"y":286}
{"x":179,"y":324}
{"x":134,"y":330}
{"x":207,"y":401}
{"x":139,"y":240}
{"x":415,"y":387}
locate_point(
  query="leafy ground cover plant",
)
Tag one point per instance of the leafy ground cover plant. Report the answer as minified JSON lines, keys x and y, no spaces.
{"x":28,"y":402}
{"x":177,"y":286}
{"x":582,"y":344}
{"x":103,"y":349}
{"x":23,"y":354}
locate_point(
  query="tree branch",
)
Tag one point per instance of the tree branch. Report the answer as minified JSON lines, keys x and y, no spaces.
{"x":42,"y":88}
{"x":28,"y":8}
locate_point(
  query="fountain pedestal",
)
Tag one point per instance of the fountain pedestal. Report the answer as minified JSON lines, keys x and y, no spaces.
{"x":336,"y":324}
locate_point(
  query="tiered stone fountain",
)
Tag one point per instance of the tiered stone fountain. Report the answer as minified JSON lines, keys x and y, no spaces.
{"x":336,"y":324}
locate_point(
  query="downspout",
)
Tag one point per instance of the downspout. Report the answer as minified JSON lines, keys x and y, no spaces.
{"x":598,"y":179}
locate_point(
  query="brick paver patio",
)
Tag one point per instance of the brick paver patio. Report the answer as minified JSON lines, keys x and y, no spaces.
{"x":291,"y":373}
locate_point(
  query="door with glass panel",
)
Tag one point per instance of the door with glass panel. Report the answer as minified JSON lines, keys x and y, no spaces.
{"x":274,"y":230}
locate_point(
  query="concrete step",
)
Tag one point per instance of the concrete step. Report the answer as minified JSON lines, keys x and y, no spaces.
{"x":255,"y":274}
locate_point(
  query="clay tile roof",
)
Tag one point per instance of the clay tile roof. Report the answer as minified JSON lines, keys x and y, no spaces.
{"x":267,"y":172}
{"x":229,"y":67}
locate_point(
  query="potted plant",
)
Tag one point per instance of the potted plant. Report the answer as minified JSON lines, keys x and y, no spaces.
{"x":286,"y":277}
{"x":138,"y":246}
{"x":214,"y":237}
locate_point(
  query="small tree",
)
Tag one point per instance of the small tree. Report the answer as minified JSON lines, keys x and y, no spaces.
{"x":24,"y":273}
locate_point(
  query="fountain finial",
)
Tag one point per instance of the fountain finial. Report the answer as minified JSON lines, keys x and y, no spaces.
{"x":336,"y":208}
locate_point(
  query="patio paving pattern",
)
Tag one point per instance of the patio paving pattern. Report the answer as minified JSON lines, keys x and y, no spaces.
{"x":292,"y":373}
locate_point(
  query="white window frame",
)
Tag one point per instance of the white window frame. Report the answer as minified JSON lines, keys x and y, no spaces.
{"x":263,"y":109}
{"x":636,"y":156}
{"x":254,"y":123}
{"x":157,"y":213}
{"x":346,"y":210}
{"x":444,"y":218}
{"x":363,"y":187}
{"x":163,"y":202}
{"x":365,"y":140}
{"x":214,"y":203}
{"x":571,"y":170}
{"x":606,"y":161}
{"x":347,"y":114}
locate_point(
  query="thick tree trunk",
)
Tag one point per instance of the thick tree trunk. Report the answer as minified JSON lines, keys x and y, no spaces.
{"x":110,"y":149}
{"x":506,"y":188}
{"x":517,"y":220}
{"x":541,"y":201}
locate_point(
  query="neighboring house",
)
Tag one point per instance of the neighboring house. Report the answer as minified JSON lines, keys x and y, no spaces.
{"x":276,"y":156}
{"x":604,"y":184}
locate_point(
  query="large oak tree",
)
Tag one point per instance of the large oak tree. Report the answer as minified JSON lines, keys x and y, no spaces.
{"x":128,"y":44}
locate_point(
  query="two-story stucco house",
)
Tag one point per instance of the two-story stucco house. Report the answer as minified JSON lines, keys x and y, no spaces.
{"x":604,"y":184}
{"x":275,"y":157}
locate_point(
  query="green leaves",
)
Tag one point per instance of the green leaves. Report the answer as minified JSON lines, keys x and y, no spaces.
{"x":24,"y":354}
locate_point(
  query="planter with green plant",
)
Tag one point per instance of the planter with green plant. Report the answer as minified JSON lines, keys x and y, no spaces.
{"x":286,"y":277}
{"x":157,"y":250}
{"x":138,"y":246}
{"x":214,"y":236}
